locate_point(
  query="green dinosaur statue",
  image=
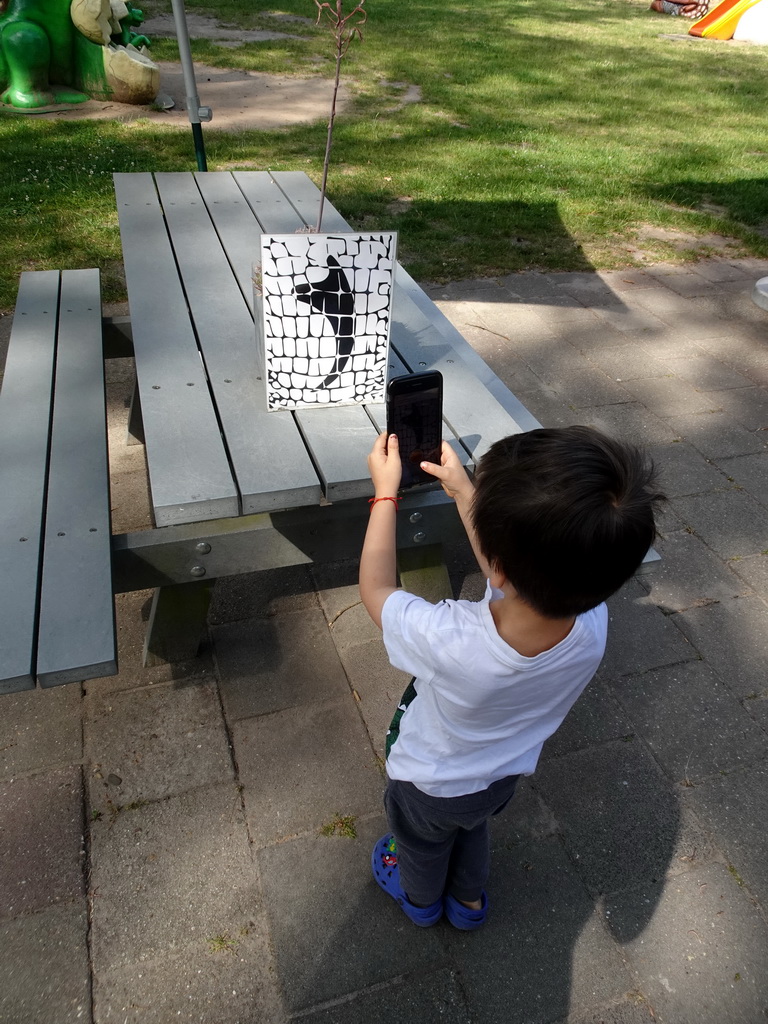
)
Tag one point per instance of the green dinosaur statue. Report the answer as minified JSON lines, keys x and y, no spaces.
{"x":57,"y":51}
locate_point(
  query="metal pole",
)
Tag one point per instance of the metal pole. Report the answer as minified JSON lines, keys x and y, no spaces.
{"x":194,"y":110}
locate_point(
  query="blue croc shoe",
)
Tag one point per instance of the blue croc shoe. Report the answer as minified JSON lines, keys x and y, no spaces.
{"x":387,"y":875}
{"x":462,"y":917}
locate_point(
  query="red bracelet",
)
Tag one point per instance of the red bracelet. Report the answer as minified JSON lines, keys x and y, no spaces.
{"x":372,"y":501}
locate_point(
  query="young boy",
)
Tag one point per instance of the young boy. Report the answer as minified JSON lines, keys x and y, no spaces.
{"x":558,"y":520}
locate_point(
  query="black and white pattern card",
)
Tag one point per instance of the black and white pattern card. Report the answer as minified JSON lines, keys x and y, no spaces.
{"x":326,"y":303}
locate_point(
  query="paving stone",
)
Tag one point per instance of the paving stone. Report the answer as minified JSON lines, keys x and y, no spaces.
{"x":669,"y":396}
{"x":640,"y":636}
{"x":151,"y":743}
{"x":564,"y":312}
{"x":429,"y":999}
{"x":748,"y":406}
{"x":719,"y":270}
{"x":704,"y":326}
{"x":594,"y":335}
{"x":45,"y":967}
{"x":659,"y":299}
{"x":267,"y":665}
{"x":542,"y":951}
{"x":706,"y":373}
{"x":691,"y":721}
{"x":334,"y":931}
{"x":743,"y":349}
{"x":595,"y":718}
{"x":169,"y":876}
{"x":351,"y":624}
{"x":631,"y":422}
{"x":223,"y":977}
{"x":132,"y":613}
{"x":731,"y":522}
{"x":683,"y":470}
{"x":259,"y":594}
{"x":520,"y":325}
{"x":630,"y":280}
{"x":700,"y":959}
{"x":525,"y":818}
{"x":633,"y":1009}
{"x":716,"y":435}
{"x":754,"y":572}
{"x":756,"y":706}
{"x":41,"y":729}
{"x":509,"y":367}
{"x":686,"y":283}
{"x":619,"y":817}
{"x":625,"y":363}
{"x":732,"y":636}
{"x":583,"y":389}
{"x":557,"y":358}
{"x":41,"y":841}
{"x":670,"y":343}
{"x":667,"y":523}
{"x":735,"y":807}
{"x":752,"y":266}
{"x":302,"y":767}
{"x":631,"y":321}
{"x":749,"y":472}
{"x":689,"y":575}
{"x":530,"y":283}
{"x":588,"y":287}
{"x":376,"y":685}
{"x":548,"y":406}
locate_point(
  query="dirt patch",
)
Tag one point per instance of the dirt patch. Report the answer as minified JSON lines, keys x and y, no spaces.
{"x":240,"y":100}
{"x":649,"y":236}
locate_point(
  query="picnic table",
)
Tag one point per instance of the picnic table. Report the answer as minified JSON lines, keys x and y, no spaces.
{"x":234,"y":489}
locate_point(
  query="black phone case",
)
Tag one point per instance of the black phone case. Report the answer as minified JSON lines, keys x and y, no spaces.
{"x":414,"y":413}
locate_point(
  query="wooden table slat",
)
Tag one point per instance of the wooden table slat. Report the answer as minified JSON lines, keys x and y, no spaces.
{"x":236,"y":224}
{"x":183,"y":441}
{"x":270,"y":461}
{"x":268,"y":202}
{"x":24,"y":422}
{"x":77,"y":625}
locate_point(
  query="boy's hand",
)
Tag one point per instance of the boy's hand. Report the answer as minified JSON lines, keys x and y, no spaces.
{"x":384,"y":466}
{"x":450,"y":473}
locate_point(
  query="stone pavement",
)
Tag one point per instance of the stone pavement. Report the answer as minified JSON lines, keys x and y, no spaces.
{"x":164,"y":846}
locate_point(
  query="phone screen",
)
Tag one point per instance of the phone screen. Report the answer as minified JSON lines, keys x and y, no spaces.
{"x":415,"y":415}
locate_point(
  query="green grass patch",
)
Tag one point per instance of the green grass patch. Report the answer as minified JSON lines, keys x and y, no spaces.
{"x":548,"y":135}
{"x":341,"y":825}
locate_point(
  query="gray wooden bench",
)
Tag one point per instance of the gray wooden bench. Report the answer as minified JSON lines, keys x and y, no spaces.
{"x":56,"y":604}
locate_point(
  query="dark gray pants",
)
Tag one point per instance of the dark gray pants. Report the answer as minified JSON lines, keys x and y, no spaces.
{"x":443,"y":843}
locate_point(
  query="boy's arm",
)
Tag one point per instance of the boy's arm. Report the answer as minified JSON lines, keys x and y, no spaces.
{"x":457,"y":485}
{"x":378,"y":561}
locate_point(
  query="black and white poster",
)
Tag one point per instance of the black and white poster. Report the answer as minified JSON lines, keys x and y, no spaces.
{"x":326,"y":302}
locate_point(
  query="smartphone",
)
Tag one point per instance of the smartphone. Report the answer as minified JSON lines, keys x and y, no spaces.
{"x":415,"y":414}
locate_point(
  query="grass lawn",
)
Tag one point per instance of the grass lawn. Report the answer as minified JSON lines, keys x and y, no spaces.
{"x":549,"y":134}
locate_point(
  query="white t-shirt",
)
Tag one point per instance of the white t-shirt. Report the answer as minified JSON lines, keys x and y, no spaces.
{"x":482,"y":710}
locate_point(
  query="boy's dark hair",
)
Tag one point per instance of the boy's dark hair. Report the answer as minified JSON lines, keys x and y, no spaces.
{"x":567,"y":515}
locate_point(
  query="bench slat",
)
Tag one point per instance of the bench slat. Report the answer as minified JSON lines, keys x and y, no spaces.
{"x":24,"y":419}
{"x":183,"y":439}
{"x":77,"y":624}
{"x":271,"y":464}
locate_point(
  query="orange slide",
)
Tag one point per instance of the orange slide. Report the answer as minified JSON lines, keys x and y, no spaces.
{"x":722,"y":20}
